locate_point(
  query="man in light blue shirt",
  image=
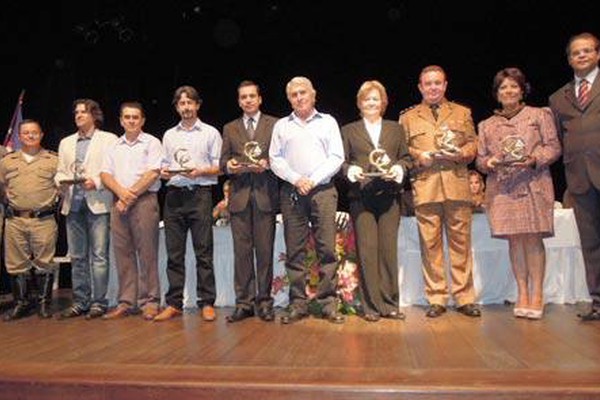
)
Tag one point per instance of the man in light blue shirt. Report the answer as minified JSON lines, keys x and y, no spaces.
{"x":192,"y":150}
{"x":306,"y":152}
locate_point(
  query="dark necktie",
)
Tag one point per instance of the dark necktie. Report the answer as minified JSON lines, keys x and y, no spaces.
{"x":584,"y":93}
{"x":250,"y":128}
{"x":435,"y":110}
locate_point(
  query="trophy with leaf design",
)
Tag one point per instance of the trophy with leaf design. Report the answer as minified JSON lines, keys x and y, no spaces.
{"x":379,"y":159}
{"x":77,"y":172}
{"x":447,"y":141}
{"x":183,"y":159}
{"x":252,"y":151}
{"x":513,"y":150}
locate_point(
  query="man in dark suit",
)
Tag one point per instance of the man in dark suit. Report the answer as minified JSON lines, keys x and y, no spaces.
{"x":252,"y":204}
{"x":576,"y":108}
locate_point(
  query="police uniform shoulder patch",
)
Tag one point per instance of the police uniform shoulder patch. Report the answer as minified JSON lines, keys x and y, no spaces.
{"x":407,"y":109}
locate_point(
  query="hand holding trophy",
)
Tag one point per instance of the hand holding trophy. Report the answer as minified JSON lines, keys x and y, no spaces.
{"x":381,"y":161}
{"x":78,"y":172}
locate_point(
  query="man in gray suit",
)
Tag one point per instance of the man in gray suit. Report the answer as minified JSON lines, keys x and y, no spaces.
{"x":576,"y":108}
{"x":252,"y":204}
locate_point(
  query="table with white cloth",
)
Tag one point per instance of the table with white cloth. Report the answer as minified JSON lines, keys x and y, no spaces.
{"x":494,"y":283}
{"x":564,"y":281}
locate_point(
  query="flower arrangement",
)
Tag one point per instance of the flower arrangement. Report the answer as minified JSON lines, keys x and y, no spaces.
{"x":347,"y":271}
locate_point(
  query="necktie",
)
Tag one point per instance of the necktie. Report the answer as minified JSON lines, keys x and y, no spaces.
{"x":584,"y":93}
{"x":435,"y":110}
{"x":250,"y":128}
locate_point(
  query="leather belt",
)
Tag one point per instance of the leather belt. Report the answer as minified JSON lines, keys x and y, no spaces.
{"x":187,"y":188}
{"x":11,"y":212}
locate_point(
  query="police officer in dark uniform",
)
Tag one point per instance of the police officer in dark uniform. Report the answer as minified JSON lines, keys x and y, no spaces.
{"x":27,"y":182}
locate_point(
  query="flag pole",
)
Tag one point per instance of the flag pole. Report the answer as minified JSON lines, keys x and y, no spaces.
{"x":13,"y":121}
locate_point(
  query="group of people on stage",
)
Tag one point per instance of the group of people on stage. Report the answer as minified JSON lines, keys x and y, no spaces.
{"x":107,"y":187}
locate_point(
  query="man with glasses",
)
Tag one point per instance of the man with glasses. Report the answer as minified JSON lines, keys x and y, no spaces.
{"x":576,"y":108}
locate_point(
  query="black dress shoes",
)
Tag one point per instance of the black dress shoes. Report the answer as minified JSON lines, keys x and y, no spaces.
{"x":293,"y":315}
{"x":592,"y":315}
{"x":435,"y":310}
{"x":397,"y":315}
{"x":266,"y":313}
{"x":371,"y":317}
{"x":334,"y":317}
{"x":240,"y":314}
{"x":470,"y":310}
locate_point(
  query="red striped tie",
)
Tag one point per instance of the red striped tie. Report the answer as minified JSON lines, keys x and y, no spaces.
{"x":584,"y":93}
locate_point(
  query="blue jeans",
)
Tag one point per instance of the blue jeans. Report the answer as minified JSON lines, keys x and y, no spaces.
{"x":88,"y":239}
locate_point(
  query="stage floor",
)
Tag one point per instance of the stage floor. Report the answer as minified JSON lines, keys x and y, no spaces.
{"x":452,"y":357}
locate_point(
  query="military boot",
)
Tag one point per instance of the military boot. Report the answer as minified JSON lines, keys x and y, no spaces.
{"x":20,"y":295}
{"x":46,"y":284}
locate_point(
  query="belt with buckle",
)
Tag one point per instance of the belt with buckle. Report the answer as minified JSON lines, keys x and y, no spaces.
{"x":11,"y":212}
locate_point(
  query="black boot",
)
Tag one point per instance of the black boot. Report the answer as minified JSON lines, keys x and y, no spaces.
{"x":45,"y":286}
{"x":20,"y":294}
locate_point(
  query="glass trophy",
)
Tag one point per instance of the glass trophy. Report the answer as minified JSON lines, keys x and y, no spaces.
{"x":77,"y":172}
{"x":379,"y":159}
{"x":183,"y":159}
{"x":252,"y":151}
{"x":513,"y":150}
{"x":447,"y":141}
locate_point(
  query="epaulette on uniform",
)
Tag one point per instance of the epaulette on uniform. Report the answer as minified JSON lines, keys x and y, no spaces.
{"x":407,"y":109}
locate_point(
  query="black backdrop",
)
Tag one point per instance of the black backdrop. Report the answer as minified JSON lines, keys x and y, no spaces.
{"x":133,"y":49}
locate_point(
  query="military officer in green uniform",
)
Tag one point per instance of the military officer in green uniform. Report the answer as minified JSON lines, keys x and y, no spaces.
{"x":27,"y":182}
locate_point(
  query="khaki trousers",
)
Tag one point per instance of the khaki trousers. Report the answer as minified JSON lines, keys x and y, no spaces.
{"x":453,"y":217}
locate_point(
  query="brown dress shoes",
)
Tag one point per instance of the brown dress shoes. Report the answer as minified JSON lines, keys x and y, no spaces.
{"x":168,"y":313}
{"x":208,"y":313}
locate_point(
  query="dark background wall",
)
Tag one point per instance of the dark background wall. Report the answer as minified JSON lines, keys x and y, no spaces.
{"x":120,"y":50}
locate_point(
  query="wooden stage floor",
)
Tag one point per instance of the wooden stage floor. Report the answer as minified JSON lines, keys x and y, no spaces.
{"x":452,"y":357}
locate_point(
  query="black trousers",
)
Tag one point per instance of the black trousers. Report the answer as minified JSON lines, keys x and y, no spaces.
{"x":191,"y":210}
{"x":587,"y":215}
{"x":376,"y":219}
{"x":253,"y":234}
{"x":301,"y":214}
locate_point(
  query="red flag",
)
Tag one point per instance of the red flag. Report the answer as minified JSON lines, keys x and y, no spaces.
{"x":11,"y":140}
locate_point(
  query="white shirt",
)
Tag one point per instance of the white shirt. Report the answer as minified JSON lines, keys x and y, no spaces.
{"x":591,"y":77}
{"x":311,"y":148}
{"x":128,"y":161}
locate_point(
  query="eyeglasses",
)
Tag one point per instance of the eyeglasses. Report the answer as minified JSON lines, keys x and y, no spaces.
{"x":584,"y":51}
